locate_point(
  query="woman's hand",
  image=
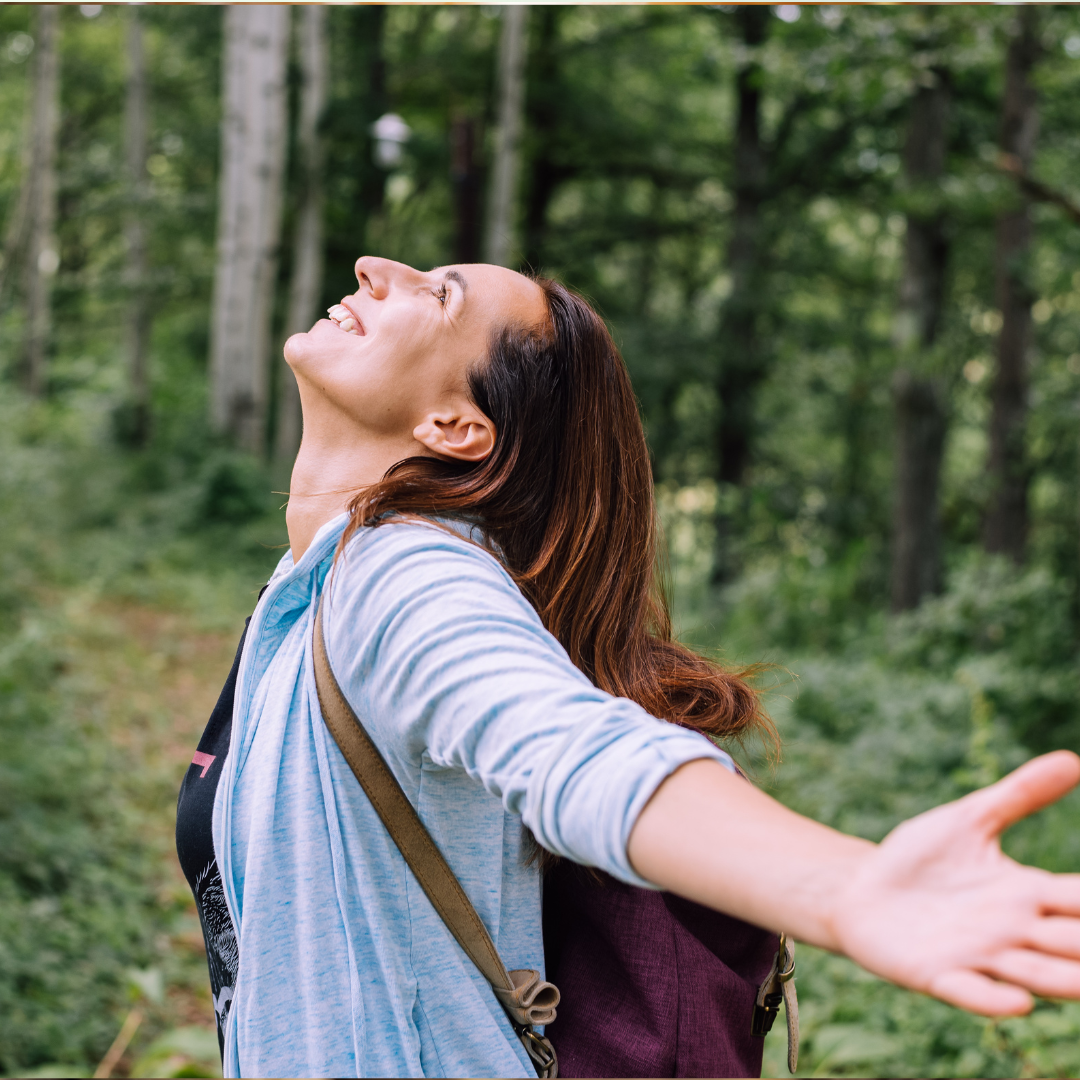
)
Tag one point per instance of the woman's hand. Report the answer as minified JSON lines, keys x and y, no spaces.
{"x":935,"y":907}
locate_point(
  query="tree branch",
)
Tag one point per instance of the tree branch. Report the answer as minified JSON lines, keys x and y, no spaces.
{"x":1011,"y":164}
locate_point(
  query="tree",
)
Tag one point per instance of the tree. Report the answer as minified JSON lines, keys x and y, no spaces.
{"x":1005,"y":525}
{"x":305,"y":286}
{"x":513,"y":53}
{"x":138,"y":313}
{"x":466,"y":178}
{"x":42,"y":259}
{"x":542,"y":111}
{"x":742,"y":365}
{"x":249,"y":218}
{"x":354,"y":183}
{"x":918,"y":398}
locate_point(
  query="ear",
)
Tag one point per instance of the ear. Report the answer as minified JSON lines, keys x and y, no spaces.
{"x":462,"y":432}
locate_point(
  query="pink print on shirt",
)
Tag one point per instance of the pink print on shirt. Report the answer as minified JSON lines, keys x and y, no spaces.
{"x":205,"y":760}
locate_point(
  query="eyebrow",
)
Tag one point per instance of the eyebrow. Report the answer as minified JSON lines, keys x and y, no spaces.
{"x":453,"y":275}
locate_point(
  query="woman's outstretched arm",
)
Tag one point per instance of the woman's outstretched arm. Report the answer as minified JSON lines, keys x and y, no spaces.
{"x":935,"y":907}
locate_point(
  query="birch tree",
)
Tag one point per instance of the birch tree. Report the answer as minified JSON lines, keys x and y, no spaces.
{"x":919,"y":400}
{"x":136,"y":120}
{"x":513,"y":52}
{"x":307,"y":270}
{"x":249,"y":218}
{"x":42,"y":258}
{"x":1006,"y":523}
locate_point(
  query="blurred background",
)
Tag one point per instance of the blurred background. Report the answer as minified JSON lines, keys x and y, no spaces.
{"x":840,"y":249}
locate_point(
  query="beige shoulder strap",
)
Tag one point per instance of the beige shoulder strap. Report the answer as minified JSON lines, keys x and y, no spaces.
{"x":779,"y":985}
{"x":526,"y":998}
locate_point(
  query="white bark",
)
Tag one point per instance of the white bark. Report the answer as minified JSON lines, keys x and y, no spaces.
{"x":136,"y":122}
{"x":42,"y":258}
{"x":249,"y":218}
{"x":307,"y":270}
{"x":501,"y":218}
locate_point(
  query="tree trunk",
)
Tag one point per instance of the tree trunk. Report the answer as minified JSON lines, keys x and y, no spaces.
{"x":545,"y":172}
{"x":249,"y":218}
{"x":136,"y":123}
{"x":305,"y":288}
{"x":920,"y":415}
{"x":513,"y":52}
{"x":920,"y":442}
{"x":373,"y":185}
{"x":465,"y":176}
{"x":42,"y":257}
{"x":742,"y":363}
{"x":1006,"y":523}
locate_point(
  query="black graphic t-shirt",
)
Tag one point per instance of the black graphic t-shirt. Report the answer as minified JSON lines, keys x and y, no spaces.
{"x":195,"y":846}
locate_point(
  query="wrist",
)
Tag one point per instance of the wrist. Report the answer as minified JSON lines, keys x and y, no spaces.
{"x":822,"y":897}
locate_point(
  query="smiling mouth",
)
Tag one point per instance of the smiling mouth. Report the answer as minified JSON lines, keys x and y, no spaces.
{"x":345,"y":320}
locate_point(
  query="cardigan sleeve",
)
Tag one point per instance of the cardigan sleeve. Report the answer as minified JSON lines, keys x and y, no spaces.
{"x":444,"y":660}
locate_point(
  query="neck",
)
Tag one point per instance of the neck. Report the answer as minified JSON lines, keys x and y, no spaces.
{"x":326,"y":477}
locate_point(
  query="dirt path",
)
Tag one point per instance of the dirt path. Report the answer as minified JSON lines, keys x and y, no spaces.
{"x":144,"y":681}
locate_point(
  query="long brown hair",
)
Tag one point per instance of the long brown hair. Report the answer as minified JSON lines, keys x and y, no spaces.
{"x":566,"y":501}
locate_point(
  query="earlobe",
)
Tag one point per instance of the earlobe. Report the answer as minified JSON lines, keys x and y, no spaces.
{"x":469,"y":436}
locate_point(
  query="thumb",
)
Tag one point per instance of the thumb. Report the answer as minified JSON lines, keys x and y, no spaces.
{"x":1035,"y":784}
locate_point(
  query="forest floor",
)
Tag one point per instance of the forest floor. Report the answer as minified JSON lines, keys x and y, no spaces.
{"x":147,"y":679}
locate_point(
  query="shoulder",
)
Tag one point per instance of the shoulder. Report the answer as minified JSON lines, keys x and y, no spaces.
{"x":407,"y":564}
{"x":417,"y":547}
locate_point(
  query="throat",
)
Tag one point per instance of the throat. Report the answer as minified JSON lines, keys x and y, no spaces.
{"x":325,"y":479}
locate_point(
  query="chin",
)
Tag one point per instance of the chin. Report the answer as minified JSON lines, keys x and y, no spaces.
{"x":298,"y":346}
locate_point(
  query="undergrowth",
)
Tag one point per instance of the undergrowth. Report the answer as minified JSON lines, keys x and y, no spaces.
{"x":880,"y":717}
{"x":88,"y":906}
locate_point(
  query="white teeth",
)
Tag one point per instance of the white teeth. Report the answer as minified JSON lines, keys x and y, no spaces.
{"x":341,"y":315}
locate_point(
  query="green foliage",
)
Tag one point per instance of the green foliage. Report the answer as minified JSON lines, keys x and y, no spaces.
{"x":884,"y":719}
{"x":185,"y":1051}
{"x":234,"y":491}
{"x":856,"y":1025}
{"x":628,"y":188}
{"x":85,"y":909}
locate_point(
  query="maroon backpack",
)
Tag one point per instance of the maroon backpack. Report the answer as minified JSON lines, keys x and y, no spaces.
{"x":651,"y":984}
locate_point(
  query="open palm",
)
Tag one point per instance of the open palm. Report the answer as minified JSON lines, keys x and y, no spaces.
{"x":938,"y":907}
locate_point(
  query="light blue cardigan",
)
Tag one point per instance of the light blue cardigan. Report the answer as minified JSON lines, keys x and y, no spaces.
{"x":345,"y":968}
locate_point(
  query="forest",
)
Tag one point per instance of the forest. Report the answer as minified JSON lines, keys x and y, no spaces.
{"x":839,"y":247}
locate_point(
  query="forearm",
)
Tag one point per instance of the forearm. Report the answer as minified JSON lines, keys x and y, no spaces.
{"x":712,"y":837}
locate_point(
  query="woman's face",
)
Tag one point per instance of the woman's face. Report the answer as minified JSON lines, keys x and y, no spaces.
{"x":414,"y":338}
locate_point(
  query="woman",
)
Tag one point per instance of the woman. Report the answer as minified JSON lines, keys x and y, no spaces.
{"x":474,"y":487}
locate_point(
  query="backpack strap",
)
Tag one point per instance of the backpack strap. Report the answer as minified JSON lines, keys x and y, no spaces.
{"x":779,"y":985}
{"x":525,"y":997}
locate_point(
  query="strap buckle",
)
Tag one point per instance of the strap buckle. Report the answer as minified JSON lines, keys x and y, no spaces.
{"x":541,"y":1053}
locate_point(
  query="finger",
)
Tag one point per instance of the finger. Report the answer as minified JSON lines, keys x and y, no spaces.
{"x":1036,"y":784}
{"x":1060,"y":894}
{"x":980,"y":994}
{"x":1048,"y":976}
{"x":1055,"y":936}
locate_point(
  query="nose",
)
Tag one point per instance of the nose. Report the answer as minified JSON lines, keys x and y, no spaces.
{"x":379,"y":275}
{"x":374,"y":274}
